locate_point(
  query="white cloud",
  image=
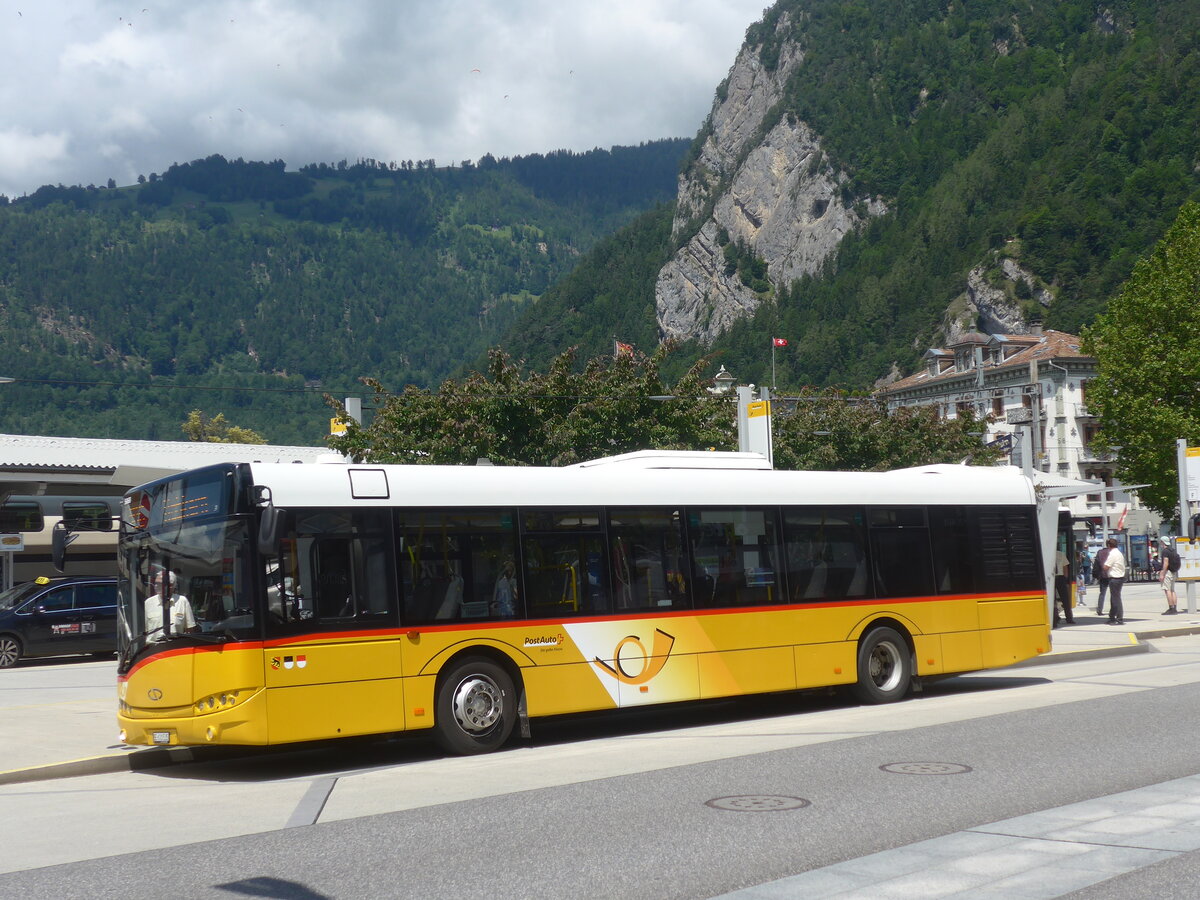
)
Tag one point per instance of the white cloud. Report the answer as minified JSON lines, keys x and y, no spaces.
{"x":23,"y":154}
{"x":94,"y":89}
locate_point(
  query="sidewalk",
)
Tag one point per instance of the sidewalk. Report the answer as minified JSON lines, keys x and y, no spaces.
{"x":1091,"y":635}
{"x":59,"y":720}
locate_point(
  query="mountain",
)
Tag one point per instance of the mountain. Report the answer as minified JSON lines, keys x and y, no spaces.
{"x":874,"y":178}
{"x":122,"y":309}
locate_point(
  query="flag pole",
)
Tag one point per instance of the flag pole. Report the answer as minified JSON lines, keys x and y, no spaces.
{"x":772,"y":364}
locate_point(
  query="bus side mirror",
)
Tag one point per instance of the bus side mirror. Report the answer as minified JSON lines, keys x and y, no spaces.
{"x":268,"y":532}
{"x":59,"y":539}
{"x":1193,"y":527}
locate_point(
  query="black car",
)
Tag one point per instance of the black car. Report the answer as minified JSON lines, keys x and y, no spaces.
{"x":57,"y":616}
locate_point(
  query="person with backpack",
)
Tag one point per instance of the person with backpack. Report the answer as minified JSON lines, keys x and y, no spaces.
{"x":1168,"y":573}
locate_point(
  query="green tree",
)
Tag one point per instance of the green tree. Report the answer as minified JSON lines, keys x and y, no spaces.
{"x":832,"y":431}
{"x":561,"y":417}
{"x":1147,"y":348}
{"x":619,"y":405}
{"x":216,"y":430}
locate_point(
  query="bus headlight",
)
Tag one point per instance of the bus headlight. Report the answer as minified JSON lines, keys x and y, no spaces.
{"x":217,"y":702}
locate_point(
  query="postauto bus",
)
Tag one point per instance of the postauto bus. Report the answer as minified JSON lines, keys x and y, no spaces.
{"x":264,"y":604}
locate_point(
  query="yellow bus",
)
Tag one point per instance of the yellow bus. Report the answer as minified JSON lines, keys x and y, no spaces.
{"x":265,"y":604}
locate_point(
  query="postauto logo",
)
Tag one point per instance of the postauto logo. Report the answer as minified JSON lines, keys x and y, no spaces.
{"x":631,"y":664}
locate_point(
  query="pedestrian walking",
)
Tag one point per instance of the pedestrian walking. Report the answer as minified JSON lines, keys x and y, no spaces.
{"x":1101,"y":577}
{"x":1062,"y":589}
{"x":1169,"y":572}
{"x":1114,"y":568}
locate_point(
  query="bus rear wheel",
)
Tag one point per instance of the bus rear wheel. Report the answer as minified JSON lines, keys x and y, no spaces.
{"x":476,"y":707}
{"x":884,"y":667}
{"x":10,"y":651}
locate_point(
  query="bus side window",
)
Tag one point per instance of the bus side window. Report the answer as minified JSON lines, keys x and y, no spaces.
{"x":826,"y":553}
{"x":454,"y":565}
{"x":649,"y":565}
{"x":900,"y":551}
{"x":1007,"y":554}
{"x":563,"y":554}
{"x":954,"y":550}
{"x":334,"y":571}
{"x":735,"y":555}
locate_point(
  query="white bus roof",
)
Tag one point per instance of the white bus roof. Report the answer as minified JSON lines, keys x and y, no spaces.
{"x":632,"y":484}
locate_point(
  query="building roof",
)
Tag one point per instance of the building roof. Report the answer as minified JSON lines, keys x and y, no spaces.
{"x":34,"y":460}
{"x":1055,"y":345}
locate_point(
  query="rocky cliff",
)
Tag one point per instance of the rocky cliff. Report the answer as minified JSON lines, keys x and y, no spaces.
{"x":992,"y":301}
{"x":760,"y":179}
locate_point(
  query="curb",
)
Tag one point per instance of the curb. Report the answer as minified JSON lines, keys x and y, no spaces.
{"x":1170,"y":632}
{"x":135,"y":761}
{"x":1057,"y":656}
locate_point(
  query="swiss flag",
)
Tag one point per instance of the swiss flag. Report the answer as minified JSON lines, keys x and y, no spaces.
{"x":779,"y":342}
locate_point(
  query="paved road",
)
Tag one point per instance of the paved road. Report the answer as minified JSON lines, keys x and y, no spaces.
{"x":639,"y":806}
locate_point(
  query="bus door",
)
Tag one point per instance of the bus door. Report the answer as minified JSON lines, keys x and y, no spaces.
{"x":332,"y":655}
{"x":1065,"y":545}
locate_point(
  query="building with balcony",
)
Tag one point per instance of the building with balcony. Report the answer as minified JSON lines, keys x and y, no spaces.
{"x":1038,"y":379}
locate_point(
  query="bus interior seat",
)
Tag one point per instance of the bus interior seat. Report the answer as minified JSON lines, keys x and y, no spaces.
{"x":858,"y":583}
{"x":817,"y":584}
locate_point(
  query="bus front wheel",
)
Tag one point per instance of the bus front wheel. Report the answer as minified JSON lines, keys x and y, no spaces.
{"x":476,"y":707}
{"x":884,"y":667}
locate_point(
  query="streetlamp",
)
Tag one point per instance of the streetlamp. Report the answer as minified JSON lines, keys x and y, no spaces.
{"x":722,"y":382}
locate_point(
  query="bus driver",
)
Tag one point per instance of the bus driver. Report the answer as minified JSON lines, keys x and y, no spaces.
{"x":182,"y":617}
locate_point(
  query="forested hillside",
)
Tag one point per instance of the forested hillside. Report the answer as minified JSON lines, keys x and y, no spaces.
{"x":1060,"y":134}
{"x":125,"y":308}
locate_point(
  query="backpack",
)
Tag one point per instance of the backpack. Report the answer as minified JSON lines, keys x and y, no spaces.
{"x":1172,"y":558}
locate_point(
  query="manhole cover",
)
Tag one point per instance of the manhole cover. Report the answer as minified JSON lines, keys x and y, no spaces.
{"x":926,"y":768}
{"x":757,"y":803}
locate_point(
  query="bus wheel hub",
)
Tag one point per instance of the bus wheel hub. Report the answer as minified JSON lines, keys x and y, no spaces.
{"x":477,"y":703}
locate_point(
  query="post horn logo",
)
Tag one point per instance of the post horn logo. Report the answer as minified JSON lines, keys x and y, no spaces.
{"x":651,"y":663}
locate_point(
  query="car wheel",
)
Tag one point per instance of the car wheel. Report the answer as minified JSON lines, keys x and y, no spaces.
{"x":10,"y":651}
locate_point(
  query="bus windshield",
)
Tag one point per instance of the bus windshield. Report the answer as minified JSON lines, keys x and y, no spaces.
{"x":184,"y":578}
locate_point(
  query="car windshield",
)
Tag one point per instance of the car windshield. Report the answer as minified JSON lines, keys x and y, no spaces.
{"x":15,"y":596}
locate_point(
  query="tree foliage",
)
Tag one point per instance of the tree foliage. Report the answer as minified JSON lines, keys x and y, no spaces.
{"x":830,"y":430}
{"x":121,"y":309}
{"x":1147,"y":348}
{"x":611,"y":406}
{"x":565,"y":415}
{"x":199,"y":427}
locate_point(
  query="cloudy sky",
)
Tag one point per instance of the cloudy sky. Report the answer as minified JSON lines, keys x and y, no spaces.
{"x":93,"y":89}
